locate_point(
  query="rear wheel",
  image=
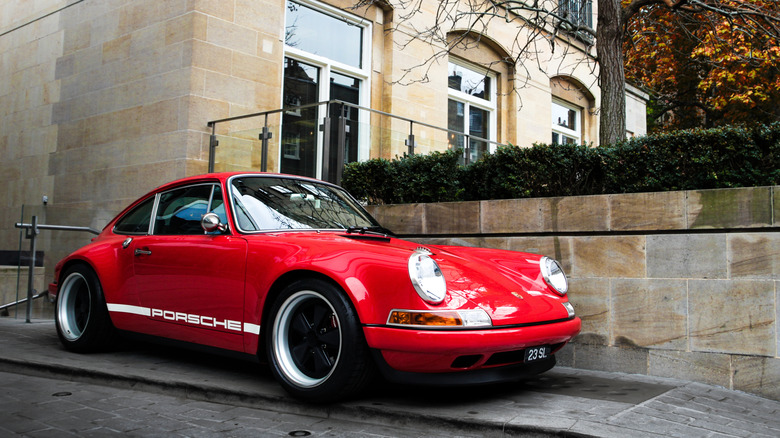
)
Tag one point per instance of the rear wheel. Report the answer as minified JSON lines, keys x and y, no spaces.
{"x":315,"y":343}
{"x":81,"y":316}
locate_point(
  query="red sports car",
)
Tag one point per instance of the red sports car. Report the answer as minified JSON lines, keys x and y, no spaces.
{"x":294,"y":271}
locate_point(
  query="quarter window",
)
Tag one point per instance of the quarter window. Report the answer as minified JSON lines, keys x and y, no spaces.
{"x":137,"y":220}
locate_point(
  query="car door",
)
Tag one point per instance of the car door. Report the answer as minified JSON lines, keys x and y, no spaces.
{"x":192,"y":282}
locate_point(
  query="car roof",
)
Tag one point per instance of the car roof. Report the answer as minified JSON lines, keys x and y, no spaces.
{"x":224,"y":176}
{"x":206,"y":177}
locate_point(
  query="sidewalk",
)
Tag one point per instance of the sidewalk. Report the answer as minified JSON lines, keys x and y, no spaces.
{"x":562,"y":402}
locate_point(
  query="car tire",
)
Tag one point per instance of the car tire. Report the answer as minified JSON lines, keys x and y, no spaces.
{"x":81,"y":315}
{"x":315,"y":343}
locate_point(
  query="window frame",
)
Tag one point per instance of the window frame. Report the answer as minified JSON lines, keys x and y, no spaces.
{"x":577,"y":133}
{"x":158,"y":198}
{"x":489,"y":105}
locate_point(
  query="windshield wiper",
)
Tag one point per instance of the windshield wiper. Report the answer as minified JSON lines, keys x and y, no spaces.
{"x":382,"y":231}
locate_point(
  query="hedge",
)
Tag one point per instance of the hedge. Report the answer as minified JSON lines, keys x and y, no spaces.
{"x":730,"y":156}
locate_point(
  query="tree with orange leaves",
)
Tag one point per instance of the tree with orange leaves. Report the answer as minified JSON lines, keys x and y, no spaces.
{"x":679,"y":49}
{"x":707,"y":66}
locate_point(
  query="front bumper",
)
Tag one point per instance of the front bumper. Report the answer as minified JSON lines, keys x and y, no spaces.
{"x":448,"y":351}
{"x":482,"y":376}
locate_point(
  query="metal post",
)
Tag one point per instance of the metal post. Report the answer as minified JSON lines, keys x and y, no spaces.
{"x":466,"y":149}
{"x":31,"y":235}
{"x":213,"y":143}
{"x":410,"y":140}
{"x":265,"y":135}
{"x":325,"y":128}
{"x":341,"y":144}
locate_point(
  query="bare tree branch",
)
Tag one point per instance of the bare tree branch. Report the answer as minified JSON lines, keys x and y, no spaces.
{"x":551,"y":38}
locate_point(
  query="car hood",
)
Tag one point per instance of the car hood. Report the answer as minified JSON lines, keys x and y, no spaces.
{"x":508,"y":285}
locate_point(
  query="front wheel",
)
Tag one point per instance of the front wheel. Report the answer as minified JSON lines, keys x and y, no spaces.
{"x":81,"y":316}
{"x":315,"y":343}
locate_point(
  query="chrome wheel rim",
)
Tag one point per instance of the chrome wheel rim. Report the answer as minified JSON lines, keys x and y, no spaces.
{"x":307,"y":339}
{"x":73,"y":306}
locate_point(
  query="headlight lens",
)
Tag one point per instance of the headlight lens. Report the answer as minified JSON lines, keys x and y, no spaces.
{"x":427,"y":278}
{"x":553,"y":275}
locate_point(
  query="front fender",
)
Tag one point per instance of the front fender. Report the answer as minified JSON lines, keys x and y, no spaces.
{"x":374,"y":282}
{"x":107,"y":259}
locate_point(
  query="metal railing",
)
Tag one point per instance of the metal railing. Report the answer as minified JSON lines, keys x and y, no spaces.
{"x":335,"y":128}
{"x":31,"y":232}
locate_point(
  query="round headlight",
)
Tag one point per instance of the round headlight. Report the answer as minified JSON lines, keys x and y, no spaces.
{"x":427,"y":278}
{"x":553,"y":275}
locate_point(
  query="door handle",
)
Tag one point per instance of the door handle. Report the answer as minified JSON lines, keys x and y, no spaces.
{"x":141,"y":252}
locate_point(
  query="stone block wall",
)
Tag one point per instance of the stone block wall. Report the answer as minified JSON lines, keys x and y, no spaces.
{"x":673,"y":284}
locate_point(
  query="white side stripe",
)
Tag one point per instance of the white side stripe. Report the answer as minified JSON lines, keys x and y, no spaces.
{"x":251,"y":328}
{"x":125,"y":308}
{"x":187,"y":318}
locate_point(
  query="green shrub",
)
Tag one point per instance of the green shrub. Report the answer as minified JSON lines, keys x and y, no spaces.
{"x":539,"y":171}
{"x":694,"y":159}
{"x":409,"y":179}
{"x":683,"y":160}
{"x":371,"y":181}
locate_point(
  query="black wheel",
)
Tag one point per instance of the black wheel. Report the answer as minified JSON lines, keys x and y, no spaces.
{"x":81,"y":316}
{"x":315,"y":343}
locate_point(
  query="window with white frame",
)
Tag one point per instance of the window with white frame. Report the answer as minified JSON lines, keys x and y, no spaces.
{"x":327,"y":57}
{"x":471,"y":108}
{"x":566,"y":123}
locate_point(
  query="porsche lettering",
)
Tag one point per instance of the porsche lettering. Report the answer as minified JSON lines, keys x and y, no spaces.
{"x":190,"y":318}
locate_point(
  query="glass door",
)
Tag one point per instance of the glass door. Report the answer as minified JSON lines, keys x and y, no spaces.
{"x":300,"y":126}
{"x":346,"y":89}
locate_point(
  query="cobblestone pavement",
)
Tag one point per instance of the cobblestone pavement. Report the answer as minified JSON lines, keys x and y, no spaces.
{"x":145,"y":390}
{"x":46,"y":407}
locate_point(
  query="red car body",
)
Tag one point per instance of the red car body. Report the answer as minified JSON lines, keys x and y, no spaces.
{"x":217,"y":289}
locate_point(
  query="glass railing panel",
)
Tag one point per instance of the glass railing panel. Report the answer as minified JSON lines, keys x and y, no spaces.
{"x":241,"y":146}
{"x":297,"y":141}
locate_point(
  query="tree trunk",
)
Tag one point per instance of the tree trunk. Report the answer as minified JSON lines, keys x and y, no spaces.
{"x":609,"y":47}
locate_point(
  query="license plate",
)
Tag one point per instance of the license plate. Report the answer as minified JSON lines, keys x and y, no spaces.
{"x":534,"y":354}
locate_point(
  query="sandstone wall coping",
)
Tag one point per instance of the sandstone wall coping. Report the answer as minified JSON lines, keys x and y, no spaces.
{"x":716,"y":209}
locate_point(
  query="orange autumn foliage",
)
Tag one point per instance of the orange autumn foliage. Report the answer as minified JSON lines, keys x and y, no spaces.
{"x":704,"y":68}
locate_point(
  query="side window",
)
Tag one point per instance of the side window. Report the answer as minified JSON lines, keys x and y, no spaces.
{"x":180,"y":211}
{"x":137,"y":220}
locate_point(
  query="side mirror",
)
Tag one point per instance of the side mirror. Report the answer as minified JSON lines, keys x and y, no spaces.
{"x":210,"y":223}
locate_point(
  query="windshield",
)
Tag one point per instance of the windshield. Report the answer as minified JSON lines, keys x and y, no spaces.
{"x":275,"y":203}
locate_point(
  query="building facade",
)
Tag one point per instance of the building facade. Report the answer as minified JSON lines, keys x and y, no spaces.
{"x":102,"y":100}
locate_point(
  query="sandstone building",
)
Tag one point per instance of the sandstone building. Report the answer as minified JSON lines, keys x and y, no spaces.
{"x":102,"y":100}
